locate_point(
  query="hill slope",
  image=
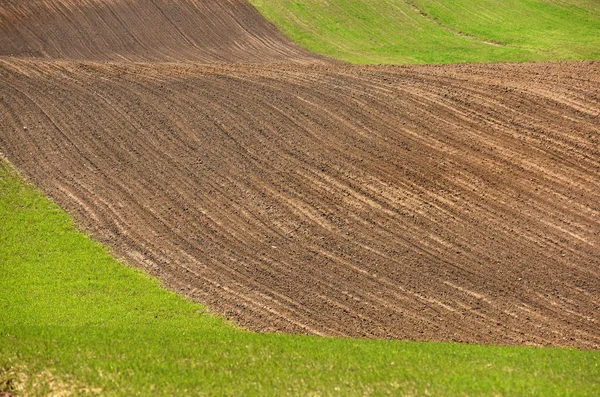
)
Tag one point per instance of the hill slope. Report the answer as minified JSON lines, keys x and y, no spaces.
{"x":444,"y":203}
{"x":209,"y":31}
{"x":425,"y":31}
{"x":69,"y":312}
{"x":427,"y":203}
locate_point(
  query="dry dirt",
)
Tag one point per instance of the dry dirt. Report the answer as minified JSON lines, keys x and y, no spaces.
{"x":207,"y":31}
{"x":427,"y":203}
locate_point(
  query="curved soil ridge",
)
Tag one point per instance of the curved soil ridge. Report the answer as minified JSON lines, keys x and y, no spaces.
{"x":450,"y":203}
{"x":207,"y":31}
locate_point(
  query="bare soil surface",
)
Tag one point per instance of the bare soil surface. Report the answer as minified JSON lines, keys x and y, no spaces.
{"x":448,"y":203}
{"x":206,"y":31}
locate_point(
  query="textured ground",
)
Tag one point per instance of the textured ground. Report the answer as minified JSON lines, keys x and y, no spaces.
{"x":428,"y":203}
{"x":440,"y":31}
{"x":207,"y":31}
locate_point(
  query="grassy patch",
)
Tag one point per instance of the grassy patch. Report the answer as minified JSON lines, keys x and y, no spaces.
{"x":75,"y":321}
{"x":425,"y":31}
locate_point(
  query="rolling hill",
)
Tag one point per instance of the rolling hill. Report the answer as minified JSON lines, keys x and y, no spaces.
{"x":143,"y":30}
{"x":426,"y":31}
{"x":295,"y":193}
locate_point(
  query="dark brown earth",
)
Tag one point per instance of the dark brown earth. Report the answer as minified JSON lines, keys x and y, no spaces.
{"x":426,"y":203}
{"x":206,"y":31}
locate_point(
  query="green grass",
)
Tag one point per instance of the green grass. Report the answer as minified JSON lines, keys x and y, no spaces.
{"x":442,"y":31}
{"x":73,"y":320}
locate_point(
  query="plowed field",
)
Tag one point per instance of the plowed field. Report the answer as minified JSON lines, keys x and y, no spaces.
{"x":208,"y":31}
{"x":427,"y":203}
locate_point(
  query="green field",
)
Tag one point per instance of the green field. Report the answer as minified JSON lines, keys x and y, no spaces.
{"x":425,"y":31}
{"x":75,"y":321}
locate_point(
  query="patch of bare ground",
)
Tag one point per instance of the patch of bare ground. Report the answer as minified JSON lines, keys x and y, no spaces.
{"x":20,"y":381}
{"x":207,"y":31}
{"x":449,"y":203}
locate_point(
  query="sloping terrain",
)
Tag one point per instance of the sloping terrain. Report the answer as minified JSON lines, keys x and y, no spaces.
{"x":440,"y":31}
{"x":208,"y":31}
{"x":292,"y":193}
{"x":75,"y":321}
{"x":445,"y":203}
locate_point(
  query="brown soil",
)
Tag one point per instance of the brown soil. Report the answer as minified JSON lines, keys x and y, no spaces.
{"x":426,"y":203}
{"x":207,"y":31}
